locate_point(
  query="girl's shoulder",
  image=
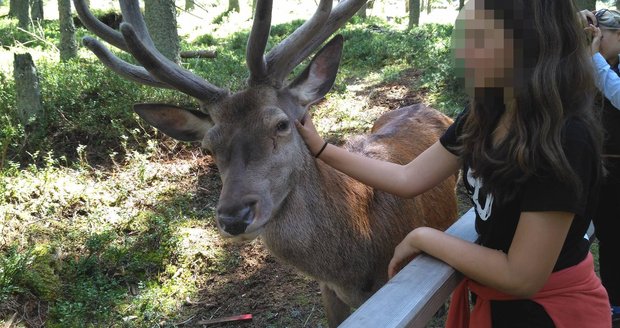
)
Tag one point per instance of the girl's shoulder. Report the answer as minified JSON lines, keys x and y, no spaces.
{"x":450,"y":138}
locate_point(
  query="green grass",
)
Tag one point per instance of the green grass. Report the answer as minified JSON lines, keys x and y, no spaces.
{"x":86,"y":237}
{"x":98,"y":225}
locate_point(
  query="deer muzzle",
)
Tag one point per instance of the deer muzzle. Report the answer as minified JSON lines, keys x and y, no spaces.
{"x":234,"y":220}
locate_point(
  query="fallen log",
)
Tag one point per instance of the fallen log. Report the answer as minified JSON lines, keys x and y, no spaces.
{"x":198,"y":54}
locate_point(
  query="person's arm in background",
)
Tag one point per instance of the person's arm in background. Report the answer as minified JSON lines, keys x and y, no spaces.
{"x":607,"y":81}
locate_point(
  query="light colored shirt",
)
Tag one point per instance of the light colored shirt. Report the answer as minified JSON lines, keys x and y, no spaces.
{"x":607,"y":81}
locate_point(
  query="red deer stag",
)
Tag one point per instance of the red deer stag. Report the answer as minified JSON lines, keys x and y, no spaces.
{"x":328,"y":226}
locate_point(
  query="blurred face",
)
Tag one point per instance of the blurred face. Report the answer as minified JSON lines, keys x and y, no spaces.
{"x":483,"y":49}
{"x":610,"y":44}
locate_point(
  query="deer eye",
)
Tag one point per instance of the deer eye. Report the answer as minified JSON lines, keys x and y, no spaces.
{"x":282,"y":127}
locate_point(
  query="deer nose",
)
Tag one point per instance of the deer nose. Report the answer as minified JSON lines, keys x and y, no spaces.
{"x":235,"y":222}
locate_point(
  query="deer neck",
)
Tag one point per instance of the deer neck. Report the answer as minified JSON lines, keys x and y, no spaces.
{"x":323,"y":191}
{"x":318,"y":217}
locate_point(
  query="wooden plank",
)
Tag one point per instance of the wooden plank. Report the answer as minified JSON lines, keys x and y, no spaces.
{"x":412,"y":297}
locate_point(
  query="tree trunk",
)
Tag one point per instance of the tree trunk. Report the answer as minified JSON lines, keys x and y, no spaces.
{"x":36,"y":11}
{"x":233,"y":5}
{"x":68,"y":46}
{"x":414,"y":13}
{"x":406,"y":6}
{"x":23,"y":14}
{"x":461,"y":4}
{"x":586,"y":4}
{"x":13,"y":8}
{"x":428,"y":6}
{"x":160,"y":17}
{"x":617,"y":4}
{"x":27,"y":90}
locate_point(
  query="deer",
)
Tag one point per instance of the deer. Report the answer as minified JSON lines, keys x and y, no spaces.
{"x":325,"y":224}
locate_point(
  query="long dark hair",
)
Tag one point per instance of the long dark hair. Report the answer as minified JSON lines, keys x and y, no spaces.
{"x":555,"y":82}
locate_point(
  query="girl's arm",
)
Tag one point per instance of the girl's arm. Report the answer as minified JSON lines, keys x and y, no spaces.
{"x":427,"y":170}
{"x":522,"y":272}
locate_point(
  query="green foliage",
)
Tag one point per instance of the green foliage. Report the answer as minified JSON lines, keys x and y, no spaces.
{"x":80,"y":97}
{"x":372,"y":47}
{"x":84,"y":265}
{"x":205,"y":40}
{"x":12,"y":265}
{"x":42,"y":36}
{"x":30,"y":270}
{"x":112,"y":262}
{"x":11,"y":130}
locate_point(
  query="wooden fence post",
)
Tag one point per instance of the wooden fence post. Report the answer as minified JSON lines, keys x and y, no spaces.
{"x":412,"y":297}
{"x":27,"y":90}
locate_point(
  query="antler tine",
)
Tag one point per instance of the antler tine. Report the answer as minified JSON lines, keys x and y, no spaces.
{"x":93,"y":24}
{"x":134,"y":38}
{"x":281,"y":60}
{"x":293,"y":56}
{"x":131,"y":72}
{"x":132,"y":15}
{"x":169,"y":72}
{"x":141,"y":46}
{"x":258,"y":41}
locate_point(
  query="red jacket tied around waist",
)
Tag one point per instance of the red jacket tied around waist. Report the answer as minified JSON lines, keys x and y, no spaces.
{"x":573,"y":297}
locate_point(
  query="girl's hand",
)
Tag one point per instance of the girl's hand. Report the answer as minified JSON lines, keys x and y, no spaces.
{"x":597,"y":35}
{"x":309,"y":134}
{"x":588,"y":17}
{"x":404,"y":253}
{"x":589,"y":20}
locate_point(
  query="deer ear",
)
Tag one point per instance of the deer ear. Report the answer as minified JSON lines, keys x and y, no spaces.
{"x":318,"y":78}
{"x":176,"y":122}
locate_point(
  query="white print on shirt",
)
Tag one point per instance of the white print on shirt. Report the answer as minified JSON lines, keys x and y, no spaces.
{"x":483,"y":212}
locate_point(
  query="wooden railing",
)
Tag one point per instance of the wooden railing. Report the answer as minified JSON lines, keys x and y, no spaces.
{"x":412,"y":297}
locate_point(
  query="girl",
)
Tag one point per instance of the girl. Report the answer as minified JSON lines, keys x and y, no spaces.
{"x":606,"y":49}
{"x":529,"y":147}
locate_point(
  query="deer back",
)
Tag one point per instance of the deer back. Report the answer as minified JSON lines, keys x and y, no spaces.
{"x":342,"y":232}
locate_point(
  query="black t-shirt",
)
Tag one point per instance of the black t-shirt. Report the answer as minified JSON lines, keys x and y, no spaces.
{"x":611,"y":122}
{"x":497,"y":223}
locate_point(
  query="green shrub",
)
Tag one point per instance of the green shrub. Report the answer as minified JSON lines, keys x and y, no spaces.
{"x":11,"y":131}
{"x":29,"y":270}
{"x":371,"y":47}
{"x":205,"y":40}
{"x":13,"y":264}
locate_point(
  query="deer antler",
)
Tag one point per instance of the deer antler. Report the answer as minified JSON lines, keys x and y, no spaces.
{"x":283,"y":58}
{"x":134,"y":38}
